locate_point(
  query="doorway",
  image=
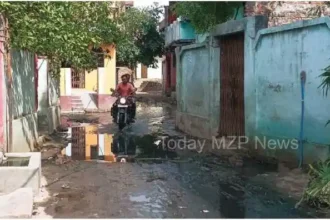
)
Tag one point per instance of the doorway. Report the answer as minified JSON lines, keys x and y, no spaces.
{"x":232,"y":85}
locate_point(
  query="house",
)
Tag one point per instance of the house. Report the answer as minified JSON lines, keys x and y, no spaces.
{"x":119,"y":7}
{"x":144,"y":72}
{"x":29,"y":99}
{"x":87,"y":144}
{"x":89,"y":90}
{"x":177,"y":32}
{"x":243,"y":80}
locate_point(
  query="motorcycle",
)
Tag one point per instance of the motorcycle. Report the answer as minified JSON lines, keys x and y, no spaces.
{"x":124,"y":148}
{"x":123,"y":117}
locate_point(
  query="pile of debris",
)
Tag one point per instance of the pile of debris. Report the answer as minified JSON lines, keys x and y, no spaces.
{"x":150,"y":86}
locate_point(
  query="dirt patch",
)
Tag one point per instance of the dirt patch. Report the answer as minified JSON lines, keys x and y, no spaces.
{"x":148,"y":86}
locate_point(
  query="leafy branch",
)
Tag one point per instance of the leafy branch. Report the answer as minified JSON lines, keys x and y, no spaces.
{"x":140,"y":41}
{"x":62,"y":31}
{"x":205,"y":15}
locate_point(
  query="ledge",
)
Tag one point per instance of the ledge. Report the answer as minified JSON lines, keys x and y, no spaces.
{"x":292,"y":26}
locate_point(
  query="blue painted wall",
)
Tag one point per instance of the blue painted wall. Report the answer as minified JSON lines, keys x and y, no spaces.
{"x":279,"y":59}
{"x":187,"y":31}
{"x":274,"y":58}
{"x":281,"y":54}
{"x":179,"y":30}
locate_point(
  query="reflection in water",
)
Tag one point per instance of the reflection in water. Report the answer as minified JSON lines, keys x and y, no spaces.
{"x":124,"y":147}
{"x":150,"y":146}
{"x":87,"y":144}
{"x":16,"y":162}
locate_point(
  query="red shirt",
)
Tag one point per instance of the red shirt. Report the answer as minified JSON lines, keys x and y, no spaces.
{"x":125,"y":89}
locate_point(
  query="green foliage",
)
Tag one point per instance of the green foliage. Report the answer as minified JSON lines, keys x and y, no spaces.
{"x":140,"y":41}
{"x":61,"y":30}
{"x":205,"y":15}
{"x":325,"y":85}
{"x":317,"y":192}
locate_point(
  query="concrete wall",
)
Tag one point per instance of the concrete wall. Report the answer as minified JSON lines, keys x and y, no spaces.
{"x":295,"y":47}
{"x":273,"y":60}
{"x":152,"y":73}
{"x":48,"y":99}
{"x":198,"y":78}
{"x":179,"y":30}
{"x":91,"y":80}
{"x":96,"y":94}
{"x":23,"y":103}
{"x":110,"y":71}
{"x":197,"y":72}
{"x":23,"y":77}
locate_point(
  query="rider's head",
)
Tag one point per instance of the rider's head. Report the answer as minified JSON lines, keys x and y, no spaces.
{"x":124,"y":79}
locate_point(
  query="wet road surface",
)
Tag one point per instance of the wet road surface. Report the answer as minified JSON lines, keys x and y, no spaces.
{"x":156,"y":181}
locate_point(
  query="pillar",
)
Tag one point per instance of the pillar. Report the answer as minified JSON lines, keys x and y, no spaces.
{"x":43,"y":101}
{"x":101,"y":80}
{"x":65,"y":89}
{"x":101,"y":145}
{"x":68,"y":88}
{"x":68,"y":150}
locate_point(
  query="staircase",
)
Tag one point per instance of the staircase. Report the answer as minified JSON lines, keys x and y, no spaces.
{"x":77,"y":104}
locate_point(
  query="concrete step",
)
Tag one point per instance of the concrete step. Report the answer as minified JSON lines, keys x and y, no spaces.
{"x":77,"y":109}
{"x":77,"y":104}
{"x":76,"y":100}
{"x":75,"y":97}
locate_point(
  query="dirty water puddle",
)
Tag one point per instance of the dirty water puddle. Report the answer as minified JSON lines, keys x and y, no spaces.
{"x":89,"y":145}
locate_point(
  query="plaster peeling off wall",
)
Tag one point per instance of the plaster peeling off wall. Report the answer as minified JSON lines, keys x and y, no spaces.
{"x":195,"y":93}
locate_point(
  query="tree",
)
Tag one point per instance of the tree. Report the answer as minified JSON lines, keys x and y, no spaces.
{"x":140,"y":40}
{"x":63,"y":31}
{"x":205,"y":15}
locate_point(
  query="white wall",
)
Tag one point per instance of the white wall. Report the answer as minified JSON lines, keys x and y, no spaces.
{"x":42,"y":84}
{"x":138,"y":71}
{"x":153,"y":73}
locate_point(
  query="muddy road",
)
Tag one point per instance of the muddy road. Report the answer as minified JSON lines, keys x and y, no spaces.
{"x":157,"y":180}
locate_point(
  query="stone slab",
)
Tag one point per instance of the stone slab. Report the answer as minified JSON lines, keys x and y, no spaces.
{"x":18,"y":204}
{"x":13,"y":178}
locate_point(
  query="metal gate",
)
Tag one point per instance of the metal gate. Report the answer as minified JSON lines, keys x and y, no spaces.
{"x":78,"y":78}
{"x":232,"y":85}
{"x":78,"y":143}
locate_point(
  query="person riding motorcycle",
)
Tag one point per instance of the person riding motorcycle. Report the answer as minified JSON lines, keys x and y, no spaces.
{"x":124,"y":89}
{"x":134,"y":103}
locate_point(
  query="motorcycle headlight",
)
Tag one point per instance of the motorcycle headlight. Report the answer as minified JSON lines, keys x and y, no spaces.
{"x":122,"y":100}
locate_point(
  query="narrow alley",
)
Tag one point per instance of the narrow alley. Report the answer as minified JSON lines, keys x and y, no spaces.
{"x":169,"y":109}
{"x":156,"y":181}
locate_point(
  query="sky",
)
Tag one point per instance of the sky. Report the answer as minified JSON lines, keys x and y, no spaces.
{"x":139,"y":3}
{"x":144,"y":3}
